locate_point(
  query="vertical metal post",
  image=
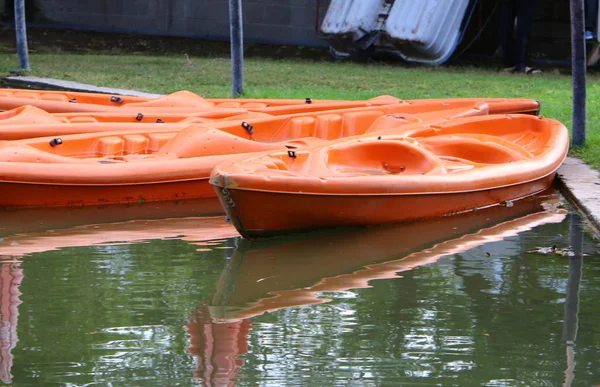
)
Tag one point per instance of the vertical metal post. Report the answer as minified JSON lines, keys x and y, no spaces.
{"x":578,"y":65}
{"x":21,"y":32}
{"x":237,"y":48}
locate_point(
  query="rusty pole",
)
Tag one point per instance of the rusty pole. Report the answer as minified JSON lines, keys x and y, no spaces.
{"x":21,"y":32}
{"x":578,"y":64}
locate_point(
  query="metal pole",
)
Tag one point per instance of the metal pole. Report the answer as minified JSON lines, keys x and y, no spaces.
{"x":21,"y":32}
{"x":237,"y":48}
{"x":578,"y":62}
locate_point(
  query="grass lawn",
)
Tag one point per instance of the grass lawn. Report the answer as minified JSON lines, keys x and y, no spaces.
{"x":323,"y":79}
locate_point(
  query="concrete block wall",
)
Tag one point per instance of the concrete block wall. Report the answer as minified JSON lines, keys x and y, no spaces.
{"x":286,"y":22}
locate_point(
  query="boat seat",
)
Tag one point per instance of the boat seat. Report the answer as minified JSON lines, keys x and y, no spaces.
{"x":381,"y":157}
{"x":476,"y":148}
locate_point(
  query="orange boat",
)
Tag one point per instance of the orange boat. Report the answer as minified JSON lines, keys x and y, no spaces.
{"x":164,"y":164}
{"x":415,"y":172}
{"x":185,"y":101}
{"x":28,"y":122}
{"x":181,"y":101}
{"x":267,"y":275}
{"x":29,"y":115}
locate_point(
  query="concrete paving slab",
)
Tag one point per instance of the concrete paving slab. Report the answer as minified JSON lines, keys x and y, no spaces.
{"x":581,"y":185}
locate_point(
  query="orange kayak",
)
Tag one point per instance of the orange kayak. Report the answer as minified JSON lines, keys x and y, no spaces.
{"x":28,"y":121}
{"x":414,"y":172}
{"x":182,"y":101}
{"x":142,"y":165}
{"x":185,"y":101}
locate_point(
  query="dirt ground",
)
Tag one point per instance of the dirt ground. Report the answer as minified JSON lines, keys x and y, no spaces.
{"x":41,"y":40}
{"x":48,"y":40}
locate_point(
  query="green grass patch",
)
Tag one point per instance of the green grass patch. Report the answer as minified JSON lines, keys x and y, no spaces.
{"x":323,"y":79}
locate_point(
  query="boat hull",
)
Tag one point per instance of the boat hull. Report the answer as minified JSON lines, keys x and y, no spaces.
{"x":257,"y":214}
{"x":56,"y":195}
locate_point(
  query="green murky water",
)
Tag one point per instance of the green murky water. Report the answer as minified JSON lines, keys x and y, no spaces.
{"x":459,"y":301}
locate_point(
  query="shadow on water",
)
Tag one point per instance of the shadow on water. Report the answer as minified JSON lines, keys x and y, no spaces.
{"x":266,"y":276}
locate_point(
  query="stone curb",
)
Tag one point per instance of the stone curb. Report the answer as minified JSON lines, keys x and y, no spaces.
{"x":27,"y":82}
{"x":579,"y":183}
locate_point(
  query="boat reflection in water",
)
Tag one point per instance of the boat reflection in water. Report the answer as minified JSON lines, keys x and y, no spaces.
{"x":264,"y":276}
{"x":217,"y":347}
{"x":11,"y":276}
{"x":267,"y":275}
{"x":31,"y":220}
{"x":36,"y":230}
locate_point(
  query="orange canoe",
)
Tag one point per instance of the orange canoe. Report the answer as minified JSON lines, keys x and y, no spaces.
{"x":164,"y":164}
{"x":415,"y":172}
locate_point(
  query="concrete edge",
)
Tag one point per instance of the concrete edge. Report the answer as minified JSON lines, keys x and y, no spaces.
{"x":29,"y":82}
{"x":579,"y":183}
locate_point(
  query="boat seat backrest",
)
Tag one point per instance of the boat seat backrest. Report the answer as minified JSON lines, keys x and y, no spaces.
{"x":391,"y":121}
{"x":201,"y":141}
{"x":135,"y":144}
{"x":110,"y":146}
{"x":294,"y":128}
{"x":329,"y":126}
{"x":357,"y":123}
{"x":28,"y":115}
{"x":156,"y":141}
